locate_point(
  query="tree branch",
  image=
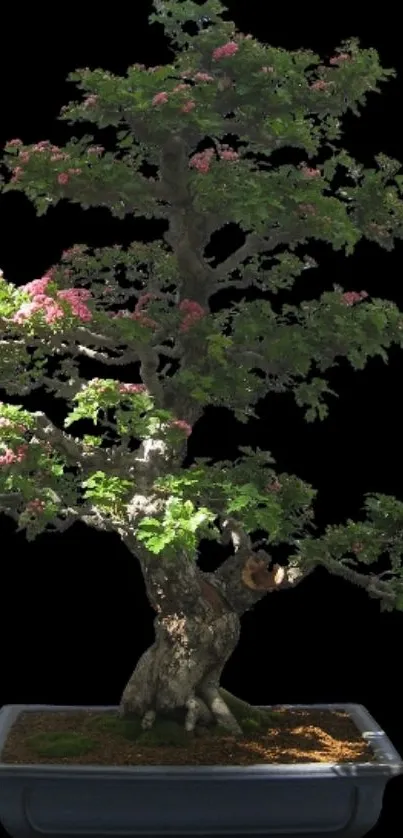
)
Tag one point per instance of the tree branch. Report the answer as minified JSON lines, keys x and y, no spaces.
{"x":254,"y":244}
{"x":127,"y":358}
{"x":245,"y":577}
{"x":371,"y":583}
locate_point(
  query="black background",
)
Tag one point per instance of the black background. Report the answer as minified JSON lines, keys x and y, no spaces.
{"x":74,"y":616}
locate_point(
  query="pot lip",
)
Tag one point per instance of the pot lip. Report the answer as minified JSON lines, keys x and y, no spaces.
{"x":388,"y":763}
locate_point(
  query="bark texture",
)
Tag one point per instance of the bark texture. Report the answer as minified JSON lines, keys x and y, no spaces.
{"x":197,"y":628}
{"x":196,"y":631}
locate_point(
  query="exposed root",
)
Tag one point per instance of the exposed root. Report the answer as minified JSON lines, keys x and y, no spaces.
{"x":219,"y":708}
{"x":148,"y":719}
{"x":192,"y":714}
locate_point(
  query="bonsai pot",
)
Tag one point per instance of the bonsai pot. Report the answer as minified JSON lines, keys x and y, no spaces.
{"x":344,"y":799}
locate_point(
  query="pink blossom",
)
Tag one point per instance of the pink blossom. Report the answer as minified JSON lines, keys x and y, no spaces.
{"x":37,"y":286}
{"x":191,"y":307}
{"x":203,"y":77}
{"x":320,"y":85}
{"x":53,"y":312}
{"x":188,"y":106}
{"x":275,"y":486}
{"x":14,"y":457}
{"x":143,"y":320}
{"x":90,"y":101}
{"x":5,"y":423}
{"x":194,"y":312}
{"x":144,"y":299}
{"x":63,"y":178}
{"x":351,"y":297}
{"x":227,"y":154}
{"x":307,"y":172}
{"x":35,"y":505}
{"x":17,"y":172}
{"x":357,"y":547}
{"x":25,"y":312}
{"x":308,"y":208}
{"x":76,"y":298}
{"x":160,"y":98}
{"x":95,"y":149}
{"x":201,"y":160}
{"x":16,"y":142}
{"x":59,"y":156}
{"x":227,"y":49}
{"x":7,"y":458}
{"x":132,"y":388}
{"x":342,"y":57}
{"x":24,"y":156}
{"x":180,"y":423}
{"x":180,"y":87}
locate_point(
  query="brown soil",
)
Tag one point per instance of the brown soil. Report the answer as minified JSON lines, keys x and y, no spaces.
{"x":91,"y":738}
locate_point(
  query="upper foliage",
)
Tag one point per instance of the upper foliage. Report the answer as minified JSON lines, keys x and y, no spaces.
{"x":220,"y":83}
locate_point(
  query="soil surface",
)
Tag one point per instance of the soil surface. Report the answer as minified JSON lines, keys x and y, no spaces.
{"x":103,"y":738}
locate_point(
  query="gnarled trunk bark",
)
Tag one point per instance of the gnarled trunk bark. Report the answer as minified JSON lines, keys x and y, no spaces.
{"x":180,"y":673}
{"x":197,"y":627}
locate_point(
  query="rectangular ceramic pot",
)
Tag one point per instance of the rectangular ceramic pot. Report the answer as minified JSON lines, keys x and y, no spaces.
{"x":310,"y":800}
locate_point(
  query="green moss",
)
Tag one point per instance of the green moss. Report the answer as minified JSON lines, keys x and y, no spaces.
{"x":168,"y":732}
{"x":60,"y":744}
{"x":163,"y":732}
{"x":129,"y":729}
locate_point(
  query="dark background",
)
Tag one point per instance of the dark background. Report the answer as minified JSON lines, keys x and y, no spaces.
{"x":74,"y":615}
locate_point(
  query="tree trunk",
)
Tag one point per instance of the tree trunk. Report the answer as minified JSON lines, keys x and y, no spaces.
{"x":197,"y":628}
{"x":179,"y":675}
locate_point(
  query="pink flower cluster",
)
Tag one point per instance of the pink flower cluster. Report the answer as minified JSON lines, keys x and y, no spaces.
{"x":193,"y":312}
{"x":201,"y":161}
{"x":35,"y":505}
{"x":64,"y":177}
{"x":40,"y":301}
{"x":320,"y":85}
{"x":308,"y":208}
{"x":336,"y":59}
{"x":90,"y":101}
{"x":220,"y":52}
{"x":227,"y":49}
{"x":162,"y":98}
{"x":132,"y":388}
{"x":351,"y":297}
{"x":357,"y":547}
{"x":13,"y":456}
{"x":307,"y":172}
{"x":56,"y":155}
{"x":7,"y":423}
{"x":275,"y":486}
{"x":181,"y":423}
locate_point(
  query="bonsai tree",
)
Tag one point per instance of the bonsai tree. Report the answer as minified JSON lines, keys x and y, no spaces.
{"x":154,"y":304}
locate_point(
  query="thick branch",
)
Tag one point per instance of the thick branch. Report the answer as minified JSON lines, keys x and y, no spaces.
{"x":254,"y":244}
{"x":128,"y":357}
{"x":245,"y":578}
{"x":371,"y":583}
